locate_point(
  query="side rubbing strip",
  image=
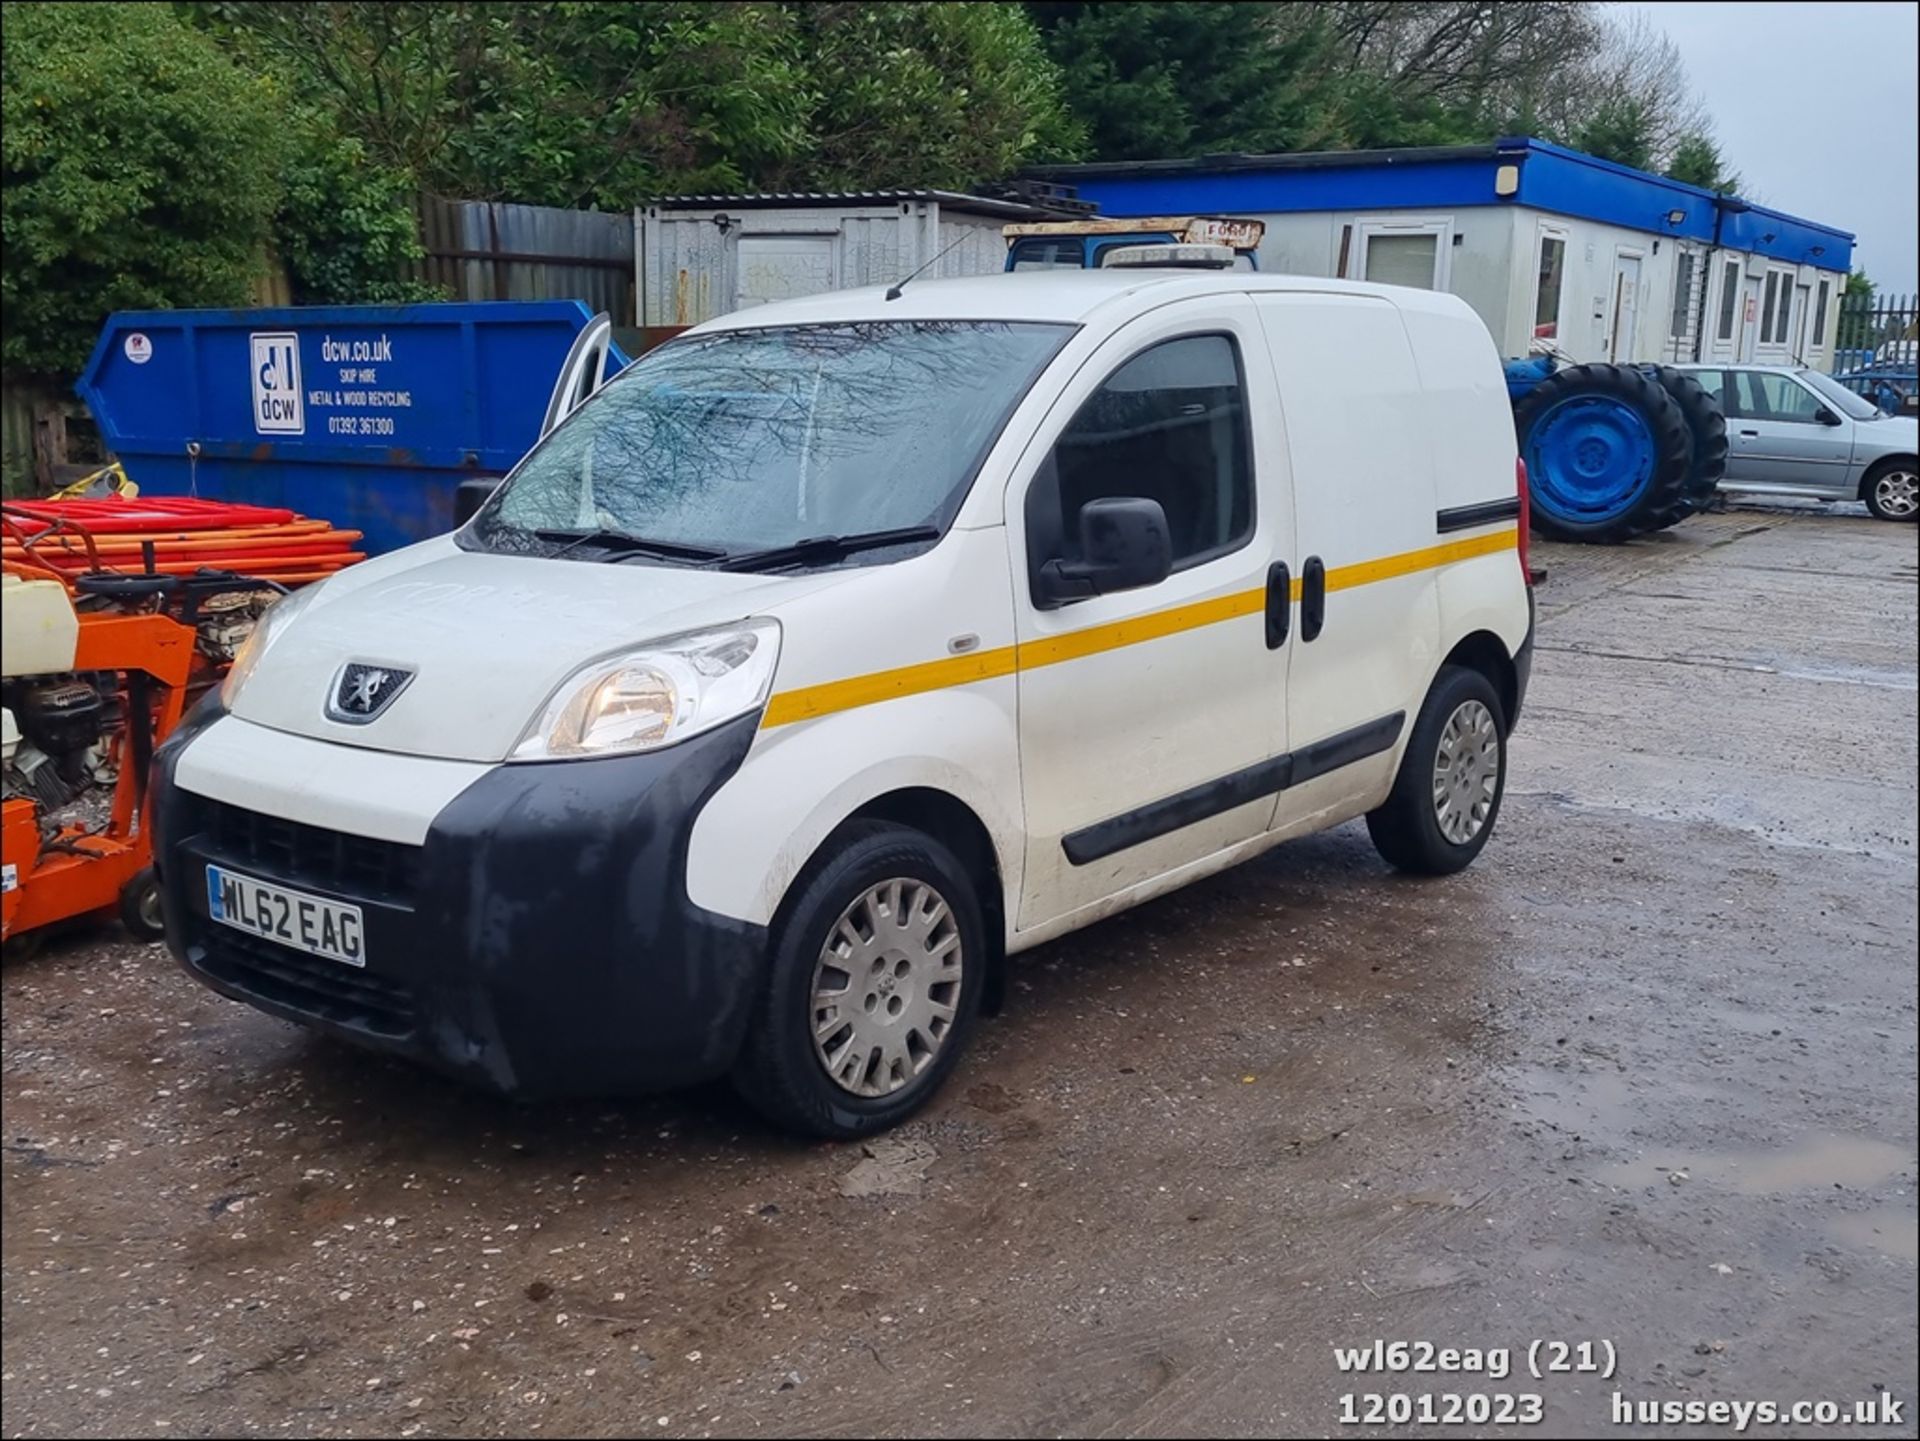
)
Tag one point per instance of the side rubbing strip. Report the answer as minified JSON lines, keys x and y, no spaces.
{"x":1215,"y":797}
{"x":1189,"y":807}
{"x":1487,"y":512}
{"x":1346,"y":748}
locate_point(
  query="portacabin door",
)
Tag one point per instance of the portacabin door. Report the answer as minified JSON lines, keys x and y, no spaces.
{"x":1149,"y":718}
{"x":1624,"y":321}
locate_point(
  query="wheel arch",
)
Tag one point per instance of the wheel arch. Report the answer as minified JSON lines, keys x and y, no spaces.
{"x":1485,"y":652}
{"x":1884,"y":463}
{"x":955,"y":824}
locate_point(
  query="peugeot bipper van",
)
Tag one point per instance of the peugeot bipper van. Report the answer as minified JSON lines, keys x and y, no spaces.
{"x":840,"y":648}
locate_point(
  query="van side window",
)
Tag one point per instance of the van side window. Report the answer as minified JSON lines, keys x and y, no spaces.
{"x":1169,"y":425}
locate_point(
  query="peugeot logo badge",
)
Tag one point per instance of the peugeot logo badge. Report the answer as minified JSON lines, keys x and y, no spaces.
{"x":361,"y":691}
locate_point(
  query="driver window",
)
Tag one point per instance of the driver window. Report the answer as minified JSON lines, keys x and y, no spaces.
{"x":1169,"y":425}
{"x":1784,"y":398}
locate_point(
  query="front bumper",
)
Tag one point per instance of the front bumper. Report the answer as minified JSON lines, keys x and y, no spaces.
{"x":539,"y":942}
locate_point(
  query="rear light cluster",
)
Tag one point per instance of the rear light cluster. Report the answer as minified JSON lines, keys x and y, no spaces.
{"x":1526,"y":518}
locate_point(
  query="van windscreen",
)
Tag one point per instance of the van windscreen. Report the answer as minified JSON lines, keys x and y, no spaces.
{"x":746,"y":439}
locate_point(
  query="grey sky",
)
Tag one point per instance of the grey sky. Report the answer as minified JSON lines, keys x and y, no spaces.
{"x":1816,"y":107}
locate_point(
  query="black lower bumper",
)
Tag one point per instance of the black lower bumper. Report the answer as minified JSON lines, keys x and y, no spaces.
{"x":540,"y":942}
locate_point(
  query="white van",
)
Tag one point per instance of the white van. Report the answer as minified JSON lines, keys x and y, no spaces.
{"x":839,"y":649}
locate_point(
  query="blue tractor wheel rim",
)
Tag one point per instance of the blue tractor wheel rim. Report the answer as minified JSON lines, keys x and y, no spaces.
{"x":1590,"y":458}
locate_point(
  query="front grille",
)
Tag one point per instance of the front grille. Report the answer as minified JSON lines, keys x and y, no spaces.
{"x":311,"y":985}
{"x":309,"y":855}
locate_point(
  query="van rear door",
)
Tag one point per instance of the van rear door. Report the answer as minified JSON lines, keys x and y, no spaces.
{"x":1368,"y":621}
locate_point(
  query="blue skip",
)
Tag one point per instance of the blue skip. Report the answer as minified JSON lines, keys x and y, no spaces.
{"x":369,"y":416}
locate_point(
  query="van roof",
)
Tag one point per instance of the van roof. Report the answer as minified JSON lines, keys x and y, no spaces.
{"x":1058,"y":296}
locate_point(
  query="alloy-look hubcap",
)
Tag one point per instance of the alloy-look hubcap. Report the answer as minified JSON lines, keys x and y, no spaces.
{"x":1466,"y":771}
{"x":1898,"y":492}
{"x":887,"y":987}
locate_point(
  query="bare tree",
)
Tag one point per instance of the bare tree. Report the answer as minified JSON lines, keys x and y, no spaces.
{"x":1633,"y":69}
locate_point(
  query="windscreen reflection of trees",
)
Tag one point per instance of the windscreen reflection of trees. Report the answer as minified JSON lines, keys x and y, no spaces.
{"x":757,"y":438}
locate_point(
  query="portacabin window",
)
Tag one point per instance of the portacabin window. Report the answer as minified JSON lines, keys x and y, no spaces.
{"x":1168,"y":425}
{"x":1776,"y":308}
{"x":1729,"y":298}
{"x":1679,"y":323}
{"x":1552,"y":278}
{"x":1413,"y":253}
{"x":1820,"y":317}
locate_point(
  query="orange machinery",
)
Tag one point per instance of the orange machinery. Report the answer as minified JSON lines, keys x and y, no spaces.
{"x":98,"y":667}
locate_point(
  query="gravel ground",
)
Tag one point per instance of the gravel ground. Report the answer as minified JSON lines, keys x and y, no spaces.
{"x":1644,"y":1075}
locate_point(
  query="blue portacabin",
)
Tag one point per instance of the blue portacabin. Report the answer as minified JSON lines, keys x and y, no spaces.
{"x":370,"y":416}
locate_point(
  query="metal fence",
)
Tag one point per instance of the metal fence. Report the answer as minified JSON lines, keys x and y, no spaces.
{"x":1877,"y":329}
{"x":489,"y":250}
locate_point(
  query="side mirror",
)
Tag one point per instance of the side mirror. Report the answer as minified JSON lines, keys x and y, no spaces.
{"x":1123,"y":546}
{"x":1825,"y":416}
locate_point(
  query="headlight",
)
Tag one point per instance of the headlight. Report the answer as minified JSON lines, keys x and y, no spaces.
{"x":273,"y":620}
{"x":656,"y":694}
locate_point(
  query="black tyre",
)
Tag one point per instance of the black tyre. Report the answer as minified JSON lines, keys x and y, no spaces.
{"x":1889,"y":489}
{"x":1447,"y":795}
{"x":1608,"y":454}
{"x":140,"y":906}
{"x":873,"y":986}
{"x":1707,"y":424}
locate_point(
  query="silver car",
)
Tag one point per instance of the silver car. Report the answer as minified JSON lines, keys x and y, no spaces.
{"x":1794,"y":431}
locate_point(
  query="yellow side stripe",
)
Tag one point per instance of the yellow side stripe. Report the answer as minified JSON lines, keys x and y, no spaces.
{"x":1115,"y":634}
{"x":818,"y":700}
{"x":1346,"y":577}
{"x":808,"y":702}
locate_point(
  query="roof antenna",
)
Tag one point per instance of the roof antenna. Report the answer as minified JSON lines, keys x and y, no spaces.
{"x":893,"y":291}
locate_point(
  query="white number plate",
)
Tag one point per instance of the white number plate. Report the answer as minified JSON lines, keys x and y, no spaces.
{"x":293,"y":918}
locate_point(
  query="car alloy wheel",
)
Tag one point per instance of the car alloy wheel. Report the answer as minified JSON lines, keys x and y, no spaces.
{"x":886,"y":987}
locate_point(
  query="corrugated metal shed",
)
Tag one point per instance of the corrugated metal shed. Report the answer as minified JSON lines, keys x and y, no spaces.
{"x":706,"y":255}
{"x":949,"y":200}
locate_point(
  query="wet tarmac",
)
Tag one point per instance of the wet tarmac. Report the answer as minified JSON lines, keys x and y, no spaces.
{"x":1644,"y":1077}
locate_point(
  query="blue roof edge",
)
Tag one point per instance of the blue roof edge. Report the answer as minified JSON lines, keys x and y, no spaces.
{"x":1553,"y":178}
{"x":1517,"y":143}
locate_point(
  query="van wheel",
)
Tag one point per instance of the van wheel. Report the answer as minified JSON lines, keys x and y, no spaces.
{"x":873,"y":988}
{"x":1447,"y":796}
{"x":1891,"y":490}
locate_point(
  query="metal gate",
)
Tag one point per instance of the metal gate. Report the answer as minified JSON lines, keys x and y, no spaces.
{"x":1876,"y":349}
{"x":1876,"y":329}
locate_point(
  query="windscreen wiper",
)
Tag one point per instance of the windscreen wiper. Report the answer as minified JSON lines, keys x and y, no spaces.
{"x":826,"y":547}
{"x":620,"y":545}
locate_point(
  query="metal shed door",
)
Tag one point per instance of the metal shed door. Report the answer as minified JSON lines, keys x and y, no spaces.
{"x":784,"y":267}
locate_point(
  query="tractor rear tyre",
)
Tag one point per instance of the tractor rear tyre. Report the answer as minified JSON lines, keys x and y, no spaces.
{"x":1609,"y":454}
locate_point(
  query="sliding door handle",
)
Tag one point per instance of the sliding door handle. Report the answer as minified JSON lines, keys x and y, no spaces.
{"x":1279,"y":604}
{"x":1313,"y":598}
